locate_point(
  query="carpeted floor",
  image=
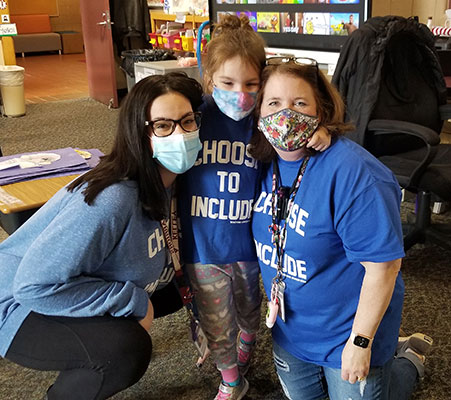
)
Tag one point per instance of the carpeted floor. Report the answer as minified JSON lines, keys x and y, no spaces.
{"x":172,"y":374}
{"x":83,"y":123}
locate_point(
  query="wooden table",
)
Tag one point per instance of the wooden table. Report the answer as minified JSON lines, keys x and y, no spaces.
{"x":18,"y":201}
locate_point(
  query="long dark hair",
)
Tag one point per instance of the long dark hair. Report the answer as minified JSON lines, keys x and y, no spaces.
{"x":131,"y":155}
{"x":329,"y":106}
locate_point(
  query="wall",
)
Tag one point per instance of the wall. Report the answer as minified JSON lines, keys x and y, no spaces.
{"x":69,"y":18}
{"x":406,"y":8}
{"x":64,"y":14}
{"x":19,"y":7}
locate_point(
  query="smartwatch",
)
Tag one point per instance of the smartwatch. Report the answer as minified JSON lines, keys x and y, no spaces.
{"x":360,"y":340}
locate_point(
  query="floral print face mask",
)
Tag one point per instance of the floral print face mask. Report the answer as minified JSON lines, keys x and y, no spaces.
{"x":288,"y":130}
{"x":236,"y":105}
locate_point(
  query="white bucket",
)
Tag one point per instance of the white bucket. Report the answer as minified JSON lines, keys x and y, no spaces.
{"x":12,"y":90}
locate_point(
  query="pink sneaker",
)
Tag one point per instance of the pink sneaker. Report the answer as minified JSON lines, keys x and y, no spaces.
{"x":227,"y":392}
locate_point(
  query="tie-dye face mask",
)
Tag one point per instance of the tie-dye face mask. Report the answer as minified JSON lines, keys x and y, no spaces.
{"x":288,"y":130}
{"x":236,"y":105}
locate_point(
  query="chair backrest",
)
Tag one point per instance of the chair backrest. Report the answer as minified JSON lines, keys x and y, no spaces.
{"x":407,"y":92}
{"x":391,"y":72}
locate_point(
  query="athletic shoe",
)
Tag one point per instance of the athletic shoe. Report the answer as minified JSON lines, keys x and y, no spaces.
{"x":227,"y":392}
{"x":245,"y":351}
{"x":414,"y":348}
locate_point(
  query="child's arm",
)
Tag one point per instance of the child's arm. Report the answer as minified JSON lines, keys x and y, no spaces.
{"x":320,"y":140}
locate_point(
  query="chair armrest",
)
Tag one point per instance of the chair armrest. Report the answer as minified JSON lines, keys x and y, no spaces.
{"x":430,"y":138}
{"x":392,"y":127}
{"x":445,"y":111}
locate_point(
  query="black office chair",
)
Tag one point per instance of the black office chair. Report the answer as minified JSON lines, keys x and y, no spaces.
{"x":390,"y":78}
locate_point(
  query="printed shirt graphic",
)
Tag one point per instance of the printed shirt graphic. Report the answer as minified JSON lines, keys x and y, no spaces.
{"x":216,"y":195}
{"x":341,"y":216}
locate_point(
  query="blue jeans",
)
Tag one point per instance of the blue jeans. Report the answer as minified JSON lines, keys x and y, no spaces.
{"x":301,"y":380}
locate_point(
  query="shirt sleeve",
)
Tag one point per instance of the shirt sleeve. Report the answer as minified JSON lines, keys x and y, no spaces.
{"x":58,"y":273}
{"x":370,"y":227}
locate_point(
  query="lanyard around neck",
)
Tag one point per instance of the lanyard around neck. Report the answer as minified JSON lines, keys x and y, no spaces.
{"x":172,"y":237}
{"x":282,"y":203}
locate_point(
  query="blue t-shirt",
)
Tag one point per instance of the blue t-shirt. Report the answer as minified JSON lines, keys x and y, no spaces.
{"x":216,"y":196}
{"x":72,"y":259}
{"x":346,"y":211}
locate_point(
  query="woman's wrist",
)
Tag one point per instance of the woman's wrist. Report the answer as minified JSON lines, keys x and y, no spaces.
{"x":361,"y":340}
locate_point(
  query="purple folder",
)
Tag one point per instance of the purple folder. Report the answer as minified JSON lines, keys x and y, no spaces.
{"x":70,"y":163}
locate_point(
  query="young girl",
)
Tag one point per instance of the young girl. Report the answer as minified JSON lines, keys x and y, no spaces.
{"x":216,"y":200}
{"x":82,"y":280}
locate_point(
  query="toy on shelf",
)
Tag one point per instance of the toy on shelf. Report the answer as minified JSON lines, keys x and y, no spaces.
{"x":441,"y":31}
{"x":182,"y":24}
{"x":156,"y":40}
{"x":187,"y":40}
{"x":174,"y":36}
{"x":172,"y":41}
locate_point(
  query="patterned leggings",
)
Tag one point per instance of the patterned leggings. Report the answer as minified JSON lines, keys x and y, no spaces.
{"x":228,"y":298}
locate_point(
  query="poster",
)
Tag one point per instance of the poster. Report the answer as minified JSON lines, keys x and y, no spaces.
{"x":268,"y":22}
{"x":316,"y":23}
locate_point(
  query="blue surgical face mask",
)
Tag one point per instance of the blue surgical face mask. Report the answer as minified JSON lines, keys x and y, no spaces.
{"x":236,"y":105}
{"x":177,"y":152}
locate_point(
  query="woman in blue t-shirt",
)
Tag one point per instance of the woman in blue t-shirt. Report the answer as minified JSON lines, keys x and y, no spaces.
{"x":330,"y":261}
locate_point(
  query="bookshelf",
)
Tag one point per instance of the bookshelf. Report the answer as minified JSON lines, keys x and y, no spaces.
{"x":157,"y":18}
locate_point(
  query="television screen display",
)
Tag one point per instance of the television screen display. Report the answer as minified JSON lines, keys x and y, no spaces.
{"x":298,"y":24}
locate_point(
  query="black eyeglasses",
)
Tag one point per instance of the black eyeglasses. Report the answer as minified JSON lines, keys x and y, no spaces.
{"x":165,"y":127}
{"x":305,"y":61}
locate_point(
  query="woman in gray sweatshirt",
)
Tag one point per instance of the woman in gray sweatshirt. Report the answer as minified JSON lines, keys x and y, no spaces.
{"x":82,"y":280}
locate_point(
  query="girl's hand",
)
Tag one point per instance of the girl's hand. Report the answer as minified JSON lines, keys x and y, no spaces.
{"x":146,"y":322}
{"x":355,"y":362}
{"x":320,"y":140}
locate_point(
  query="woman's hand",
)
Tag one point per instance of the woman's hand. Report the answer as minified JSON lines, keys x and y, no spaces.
{"x":355,"y":362}
{"x":146,"y":322}
{"x":375,"y":295}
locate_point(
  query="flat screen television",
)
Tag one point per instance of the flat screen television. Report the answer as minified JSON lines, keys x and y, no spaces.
{"x":298,"y":24}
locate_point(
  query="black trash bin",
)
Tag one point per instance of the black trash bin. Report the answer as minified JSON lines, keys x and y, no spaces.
{"x":130,"y":57}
